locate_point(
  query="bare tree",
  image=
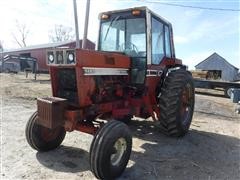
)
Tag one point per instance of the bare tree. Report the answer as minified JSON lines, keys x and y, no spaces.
{"x":1,"y":46}
{"x":1,"y":53}
{"x":61,"y":33}
{"x":21,"y":35}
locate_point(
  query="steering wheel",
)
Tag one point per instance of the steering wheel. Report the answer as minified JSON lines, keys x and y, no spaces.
{"x":129,"y":47}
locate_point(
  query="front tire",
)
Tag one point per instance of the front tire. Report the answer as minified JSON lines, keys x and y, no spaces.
{"x":41,"y":138}
{"x":176,"y":103}
{"x":110,"y":150}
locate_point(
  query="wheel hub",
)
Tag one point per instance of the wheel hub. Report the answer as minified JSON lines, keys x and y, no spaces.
{"x":120,"y":147}
{"x":229,"y":92}
{"x":186,"y":104}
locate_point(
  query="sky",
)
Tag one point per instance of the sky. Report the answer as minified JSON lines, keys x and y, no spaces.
{"x":197,"y":32}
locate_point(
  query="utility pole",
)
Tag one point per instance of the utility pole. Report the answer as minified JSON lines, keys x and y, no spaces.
{"x":76,"y":24}
{"x":84,"y":44}
{"x":1,"y":52}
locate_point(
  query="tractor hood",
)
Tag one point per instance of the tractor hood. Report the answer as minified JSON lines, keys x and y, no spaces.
{"x":98,"y":59}
{"x":92,"y":62}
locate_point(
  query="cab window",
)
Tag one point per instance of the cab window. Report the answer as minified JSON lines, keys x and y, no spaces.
{"x":167,"y":42}
{"x":157,"y":41}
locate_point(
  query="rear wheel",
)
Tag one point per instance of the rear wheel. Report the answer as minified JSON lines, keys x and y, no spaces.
{"x":176,"y":103}
{"x":41,"y":138}
{"x":228,"y":92}
{"x":110,"y":150}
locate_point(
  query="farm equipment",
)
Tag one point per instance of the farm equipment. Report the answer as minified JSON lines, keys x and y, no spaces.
{"x":134,"y":72}
{"x":203,"y":79}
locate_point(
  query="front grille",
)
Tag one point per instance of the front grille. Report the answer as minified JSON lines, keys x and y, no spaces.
{"x":67,"y":85}
{"x":51,"y":112}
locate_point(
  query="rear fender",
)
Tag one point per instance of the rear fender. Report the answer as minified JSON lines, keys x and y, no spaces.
{"x":165,"y":73}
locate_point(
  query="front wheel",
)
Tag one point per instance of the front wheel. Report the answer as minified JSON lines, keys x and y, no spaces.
{"x":176,"y":103}
{"x":41,"y":138}
{"x":126,"y":119}
{"x":110,"y":150}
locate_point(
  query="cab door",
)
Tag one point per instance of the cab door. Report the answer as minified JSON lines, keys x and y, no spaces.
{"x":158,"y":52}
{"x":160,"y":44}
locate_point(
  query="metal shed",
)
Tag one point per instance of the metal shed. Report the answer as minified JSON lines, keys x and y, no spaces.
{"x":215,"y":62}
{"x":24,"y":63}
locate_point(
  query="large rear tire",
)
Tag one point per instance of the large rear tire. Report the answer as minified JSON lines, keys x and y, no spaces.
{"x":176,"y":103}
{"x":110,"y":150}
{"x":41,"y":138}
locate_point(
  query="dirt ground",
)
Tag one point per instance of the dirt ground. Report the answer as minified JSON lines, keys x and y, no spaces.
{"x":211,"y":150}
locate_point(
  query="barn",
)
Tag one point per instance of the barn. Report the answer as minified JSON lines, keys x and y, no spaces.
{"x":39,"y":51}
{"x":218,"y":66}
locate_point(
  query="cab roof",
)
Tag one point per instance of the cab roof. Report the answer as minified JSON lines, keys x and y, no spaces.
{"x":143,"y":8}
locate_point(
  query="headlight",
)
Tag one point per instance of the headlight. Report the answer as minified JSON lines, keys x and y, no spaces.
{"x":61,"y":56}
{"x":50,"y":57}
{"x":70,"y":57}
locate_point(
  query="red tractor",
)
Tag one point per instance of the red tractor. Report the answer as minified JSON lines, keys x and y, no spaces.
{"x":134,"y":72}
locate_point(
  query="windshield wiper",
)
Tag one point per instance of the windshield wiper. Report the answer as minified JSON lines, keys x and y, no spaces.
{"x":110,"y":25}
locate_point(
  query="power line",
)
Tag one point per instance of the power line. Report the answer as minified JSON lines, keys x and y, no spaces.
{"x":188,"y":6}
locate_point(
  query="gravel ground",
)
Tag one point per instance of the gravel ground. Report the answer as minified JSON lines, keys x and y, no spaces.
{"x":211,"y":150}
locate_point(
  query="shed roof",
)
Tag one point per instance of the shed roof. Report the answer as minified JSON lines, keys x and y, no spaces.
{"x":218,"y":57}
{"x":41,"y":46}
{"x":47,"y":45}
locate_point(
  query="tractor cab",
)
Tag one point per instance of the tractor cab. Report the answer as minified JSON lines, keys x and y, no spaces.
{"x":140,"y":34}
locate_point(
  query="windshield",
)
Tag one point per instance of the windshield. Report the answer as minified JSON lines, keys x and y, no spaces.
{"x":124,"y":35}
